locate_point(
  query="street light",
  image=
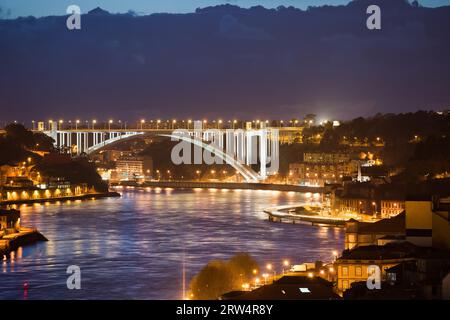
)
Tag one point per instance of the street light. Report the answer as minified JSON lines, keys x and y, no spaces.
{"x":93,"y":124}
{"x":270,"y":268}
{"x":335,"y":255}
{"x":142,"y":123}
{"x":265,"y":276}
{"x":109,"y":124}
{"x":285,"y":265}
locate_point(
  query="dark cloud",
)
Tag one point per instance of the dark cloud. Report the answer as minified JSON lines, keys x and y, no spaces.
{"x":227,"y":62}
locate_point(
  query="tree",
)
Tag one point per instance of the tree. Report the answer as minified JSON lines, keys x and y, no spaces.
{"x":219,"y":277}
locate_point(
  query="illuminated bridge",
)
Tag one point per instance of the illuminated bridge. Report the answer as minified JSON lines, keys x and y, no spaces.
{"x":238,"y":148}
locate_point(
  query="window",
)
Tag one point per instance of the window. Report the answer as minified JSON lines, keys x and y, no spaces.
{"x":345,"y":285}
{"x":358,"y":271}
{"x":345,"y":271}
{"x":304,"y":290}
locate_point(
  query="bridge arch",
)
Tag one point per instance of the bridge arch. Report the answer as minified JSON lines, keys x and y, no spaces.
{"x":249,"y":174}
{"x":110,"y":141}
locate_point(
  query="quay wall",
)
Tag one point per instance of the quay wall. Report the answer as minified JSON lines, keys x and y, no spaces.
{"x":63,"y":198}
{"x":233,"y":185}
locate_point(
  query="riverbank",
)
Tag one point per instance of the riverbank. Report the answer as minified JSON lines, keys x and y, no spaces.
{"x":25,"y":236}
{"x":229,"y":185}
{"x":290,"y":214}
{"x":99,"y":195}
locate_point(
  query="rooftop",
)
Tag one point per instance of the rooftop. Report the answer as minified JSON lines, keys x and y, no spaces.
{"x":288,"y":288}
{"x":395,"y":250}
{"x":395,"y":225}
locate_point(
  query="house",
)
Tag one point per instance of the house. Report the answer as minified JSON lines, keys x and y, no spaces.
{"x":427,"y":276}
{"x":288,"y":288}
{"x":353,"y":265}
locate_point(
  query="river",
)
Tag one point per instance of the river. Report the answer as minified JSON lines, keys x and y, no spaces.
{"x":134,"y":247}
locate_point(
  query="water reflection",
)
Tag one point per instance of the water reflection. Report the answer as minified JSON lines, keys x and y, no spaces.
{"x":132,"y":247}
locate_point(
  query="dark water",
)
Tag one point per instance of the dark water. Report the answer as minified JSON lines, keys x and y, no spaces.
{"x":133,"y":247}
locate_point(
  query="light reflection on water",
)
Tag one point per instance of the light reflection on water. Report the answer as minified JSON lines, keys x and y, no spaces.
{"x":132,"y":247}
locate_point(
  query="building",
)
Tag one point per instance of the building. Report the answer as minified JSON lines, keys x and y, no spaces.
{"x":134,"y":168}
{"x":288,"y":135}
{"x":288,"y":288}
{"x":367,"y":198}
{"x":318,"y":169}
{"x":9,"y":220}
{"x":18,"y":182}
{"x":353,"y":265}
{"x":110,"y":155}
{"x":428,"y":221}
{"x":427,"y":276}
{"x":385,"y":231}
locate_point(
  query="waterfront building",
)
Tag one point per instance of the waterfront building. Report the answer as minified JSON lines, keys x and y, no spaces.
{"x":134,"y":168}
{"x":19,"y":182}
{"x":367,"y":198}
{"x":44,"y":191}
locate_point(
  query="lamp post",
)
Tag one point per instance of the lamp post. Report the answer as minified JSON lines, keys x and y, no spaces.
{"x":285,"y":265}
{"x":335,"y":255}
{"x":265,"y":276}
{"x":109,"y":124}
{"x":93,"y":124}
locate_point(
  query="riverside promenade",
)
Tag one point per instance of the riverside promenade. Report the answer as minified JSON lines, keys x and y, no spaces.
{"x":288,"y":213}
{"x":86,"y":196}
{"x":231,"y":185}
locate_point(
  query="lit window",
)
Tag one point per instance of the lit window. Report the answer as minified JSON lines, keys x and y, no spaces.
{"x":344,"y":271}
{"x":304,"y":290}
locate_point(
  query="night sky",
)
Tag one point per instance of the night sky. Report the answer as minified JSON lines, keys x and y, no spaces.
{"x":222,"y":62}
